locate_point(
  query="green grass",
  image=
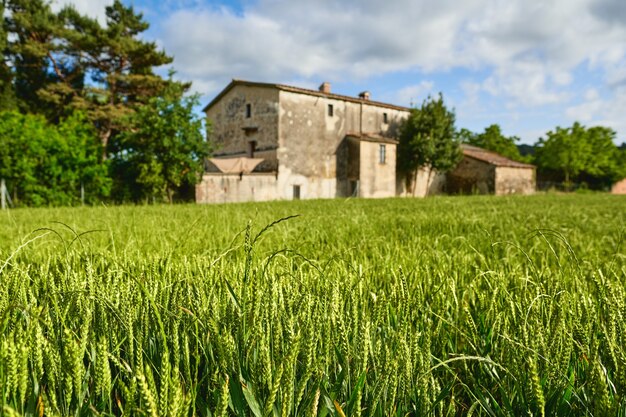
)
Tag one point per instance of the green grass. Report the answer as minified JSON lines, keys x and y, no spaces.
{"x":441,"y":306}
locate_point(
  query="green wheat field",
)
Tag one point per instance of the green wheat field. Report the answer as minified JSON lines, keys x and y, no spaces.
{"x":443,"y":306}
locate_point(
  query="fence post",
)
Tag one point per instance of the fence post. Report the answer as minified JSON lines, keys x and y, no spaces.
{"x":3,"y":195}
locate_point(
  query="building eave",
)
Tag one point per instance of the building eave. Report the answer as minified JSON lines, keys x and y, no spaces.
{"x":370,"y":137}
{"x":299,"y":90}
{"x":492,"y":158}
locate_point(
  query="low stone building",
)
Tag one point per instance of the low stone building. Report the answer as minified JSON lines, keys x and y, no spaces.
{"x":282,"y":142}
{"x":485,"y":172}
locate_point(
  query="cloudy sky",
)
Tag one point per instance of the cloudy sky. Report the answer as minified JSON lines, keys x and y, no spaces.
{"x":529,"y":65}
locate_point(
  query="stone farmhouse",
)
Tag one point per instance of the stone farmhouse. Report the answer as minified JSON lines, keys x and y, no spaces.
{"x":278,"y":142}
{"x":281,"y":142}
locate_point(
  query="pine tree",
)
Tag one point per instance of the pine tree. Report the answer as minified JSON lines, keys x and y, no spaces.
{"x":7,"y":92}
{"x":32,"y":50}
{"x":121,"y":66}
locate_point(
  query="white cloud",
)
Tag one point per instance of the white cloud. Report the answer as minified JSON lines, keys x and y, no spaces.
{"x":330,"y":40}
{"x":91,"y":8}
{"x":340,"y":39}
{"x":525,"y":83}
{"x":524,"y":56}
{"x":413,"y":95}
{"x":605,"y":111}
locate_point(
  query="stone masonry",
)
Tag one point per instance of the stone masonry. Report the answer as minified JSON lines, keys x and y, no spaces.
{"x":304,"y":144}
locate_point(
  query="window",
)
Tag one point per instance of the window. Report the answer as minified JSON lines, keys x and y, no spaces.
{"x":331,"y":110}
{"x":382,"y":154}
{"x":296,"y":192}
{"x":251,"y":148}
{"x":385,"y":118}
{"x":248,"y":110}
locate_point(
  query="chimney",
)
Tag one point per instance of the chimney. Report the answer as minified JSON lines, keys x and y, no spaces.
{"x":325,"y":87}
{"x":365,"y":95}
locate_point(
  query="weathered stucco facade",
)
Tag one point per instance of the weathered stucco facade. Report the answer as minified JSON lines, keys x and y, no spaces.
{"x":308,"y":141}
{"x":233,"y":188}
{"x":425,"y":182}
{"x":484,"y":172}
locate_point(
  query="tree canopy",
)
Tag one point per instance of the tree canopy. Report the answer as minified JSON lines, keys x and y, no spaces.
{"x":428,"y":140}
{"x":73,"y":79}
{"x":492,"y":139}
{"x":578,"y":150}
{"x":166,"y":146}
{"x":46,"y":164}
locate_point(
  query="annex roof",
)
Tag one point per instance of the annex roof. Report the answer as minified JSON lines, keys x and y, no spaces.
{"x":491,"y":157}
{"x":300,"y":90}
{"x":236,"y":165}
{"x":372,"y":137}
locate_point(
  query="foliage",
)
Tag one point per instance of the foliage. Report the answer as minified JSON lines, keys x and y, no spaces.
{"x":33,"y":30}
{"x":66,"y":62}
{"x":492,"y":139}
{"x":45,"y":164}
{"x":579,"y":150}
{"x":7,"y":92}
{"x":604,"y":159}
{"x":444,"y":309}
{"x":81,"y":162}
{"x":59,"y":64}
{"x":119,"y":63}
{"x":428,"y":140}
{"x":163,"y":152}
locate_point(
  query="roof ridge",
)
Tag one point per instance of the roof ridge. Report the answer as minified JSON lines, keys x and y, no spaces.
{"x":491,"y":157}
{"x":303,"y":90}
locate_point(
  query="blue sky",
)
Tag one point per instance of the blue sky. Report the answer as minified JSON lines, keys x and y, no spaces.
{"x":527,"y":65}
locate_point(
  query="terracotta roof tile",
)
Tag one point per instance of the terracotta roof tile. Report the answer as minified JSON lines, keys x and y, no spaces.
{"x":491,"y":157}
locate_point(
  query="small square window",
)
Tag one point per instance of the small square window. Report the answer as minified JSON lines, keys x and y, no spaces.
{"x":248,"y":110}
{"x":385,"y":118}
{"x":331,"y":110}
{"x":382,"y":154}
{"x":296,"y":192}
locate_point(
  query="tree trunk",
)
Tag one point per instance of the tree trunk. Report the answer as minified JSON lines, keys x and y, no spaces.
{"x":428,"y":181}
{"x":105,"y":135}
{"x":414,"y":185}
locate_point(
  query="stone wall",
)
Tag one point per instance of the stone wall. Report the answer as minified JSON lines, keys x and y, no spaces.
{"x":347,"y":163}
{"x":310,"y":139}
{"x":511,"y":180}
{"x":232,"y":130}
{"x":471,"y":176}
{"x":301,"y":141}
{"x":233,"y":188}
{"x":425,"y":184}
{"x":376,"y":179}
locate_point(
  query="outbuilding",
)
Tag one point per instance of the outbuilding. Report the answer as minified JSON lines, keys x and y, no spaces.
{"x":486,"y":172}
